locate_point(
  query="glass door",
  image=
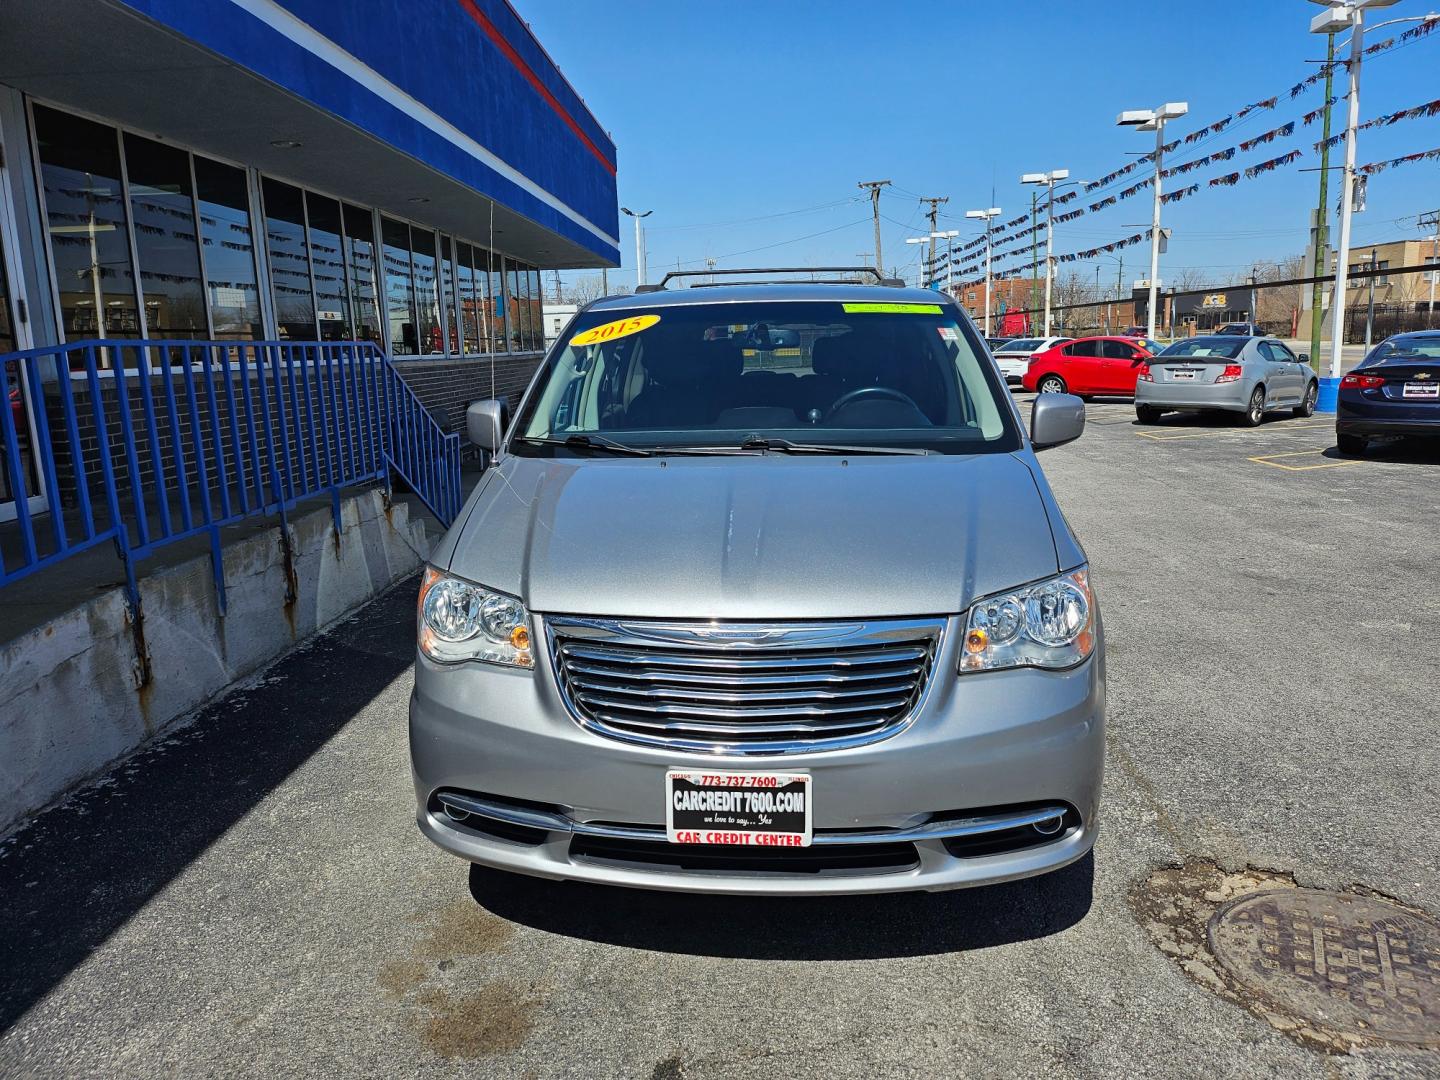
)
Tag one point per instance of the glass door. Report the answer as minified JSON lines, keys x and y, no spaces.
{"x":14,"y":337}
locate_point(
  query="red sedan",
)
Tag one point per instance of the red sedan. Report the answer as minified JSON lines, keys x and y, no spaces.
{"x":1088,"y":366}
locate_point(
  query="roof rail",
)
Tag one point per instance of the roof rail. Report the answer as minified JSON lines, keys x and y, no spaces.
{"x":880,"y":279}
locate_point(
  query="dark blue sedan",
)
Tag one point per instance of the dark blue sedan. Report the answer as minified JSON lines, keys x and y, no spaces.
{"x":1394,"y":391}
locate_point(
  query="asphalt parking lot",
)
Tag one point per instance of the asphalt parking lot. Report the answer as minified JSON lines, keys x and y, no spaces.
{"x":251,"y":896}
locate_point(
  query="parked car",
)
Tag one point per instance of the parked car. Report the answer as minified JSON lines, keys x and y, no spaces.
{"x":1134,"y":332}
{"x":1395,"y":390}
{"x":1242,"y":329}
{"x":1086,"y":367}
{"x":1245,"y":375}
{"x":704,"y":626}
{"x":997,"y":342}
{"x":1015,"y":356}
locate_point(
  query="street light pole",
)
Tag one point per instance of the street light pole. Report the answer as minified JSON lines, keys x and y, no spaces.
{"x":1047,"y":181}
{"x":1370,"y":310}
{"x":921,"y":256}
{"x":1154,"y":120}
{"x":986,"y":216}
{"x":948,"y":235}
{"x":639,"y":244}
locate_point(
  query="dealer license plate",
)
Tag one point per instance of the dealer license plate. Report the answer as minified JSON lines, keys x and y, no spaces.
{"x":1422,"y":390}
{"x":1182,"y":374}
{"x":745,"y":809}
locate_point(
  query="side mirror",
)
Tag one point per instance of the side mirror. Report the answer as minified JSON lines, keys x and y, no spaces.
{"x":1056,"y":419}
{"x":485,"y":423}
{"x":1304,"y":358}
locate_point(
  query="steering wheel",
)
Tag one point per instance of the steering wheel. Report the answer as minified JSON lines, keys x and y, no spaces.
{"x":870,"y":391}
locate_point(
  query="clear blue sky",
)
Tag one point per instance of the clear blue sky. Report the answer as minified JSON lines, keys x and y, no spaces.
{"x":726,"y":112}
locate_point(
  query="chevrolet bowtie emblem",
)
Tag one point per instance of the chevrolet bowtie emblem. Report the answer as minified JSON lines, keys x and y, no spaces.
{"x":1423,"y":375}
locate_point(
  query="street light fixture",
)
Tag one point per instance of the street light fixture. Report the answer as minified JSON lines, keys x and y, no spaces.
{"x":639,"y":243}
{"x":1154,"y":120}
{"x":986,"y":216}
{"x":1338,"y":15}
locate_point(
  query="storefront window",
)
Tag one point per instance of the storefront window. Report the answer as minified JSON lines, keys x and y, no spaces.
{"x":514,"y":304}
{"x":327,"y":261}
{"x":163,"y":212}
{"x":487,"y":278}
{"x":399,"y":288}
{"x":360,"y":260}
{"x":86,"y":220}
{"x":229,"y":246}
{"x":289,"y":261}
{"x":467,"y":309}
{"x":427,"y":303}
{"x":537,"y":311}
{"x":447,"y":295}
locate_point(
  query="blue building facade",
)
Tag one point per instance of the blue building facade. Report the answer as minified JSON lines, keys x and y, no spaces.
{"x":395,"y":171}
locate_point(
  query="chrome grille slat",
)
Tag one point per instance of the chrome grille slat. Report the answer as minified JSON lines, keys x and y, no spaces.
{"x":743,"y":687}
{"x":711,"y":728}
{"x":741,"y":662}
{"x":747,"y":696}
{"x":848,"y":678}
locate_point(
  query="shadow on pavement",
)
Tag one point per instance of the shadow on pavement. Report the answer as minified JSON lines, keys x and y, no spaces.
{"x":1397,"y":451}
{"x":794,"y":928}
{"x":83,"y":868}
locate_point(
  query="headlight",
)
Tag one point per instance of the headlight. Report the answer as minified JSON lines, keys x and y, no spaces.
{"x":460,"y":621}
{"x":1050,"y":624}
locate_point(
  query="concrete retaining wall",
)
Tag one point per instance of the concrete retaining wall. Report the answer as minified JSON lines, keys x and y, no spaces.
{"x":72,"y":700}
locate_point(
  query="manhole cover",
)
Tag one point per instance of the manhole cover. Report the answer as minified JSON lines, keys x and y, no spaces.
{"x":1355,"y":965}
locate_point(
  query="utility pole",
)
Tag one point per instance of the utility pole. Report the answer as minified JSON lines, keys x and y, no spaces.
{"x":1322,"y":213}
{"x":934,"y":213}
{"x":1254,"y":303}
{"x":558,"y":298}
{"x":874,"y":186}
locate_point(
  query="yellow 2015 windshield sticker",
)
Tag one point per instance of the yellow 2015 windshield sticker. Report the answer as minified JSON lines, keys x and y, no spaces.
{"x":891,"y":309}
{"x":612,"y":331}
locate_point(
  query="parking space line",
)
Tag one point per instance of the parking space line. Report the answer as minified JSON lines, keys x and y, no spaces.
{"x":1267,"y":459}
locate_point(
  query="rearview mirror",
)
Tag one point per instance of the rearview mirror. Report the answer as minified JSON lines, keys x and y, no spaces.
{"x":485,"y":423}
{"x":1056,"y":419}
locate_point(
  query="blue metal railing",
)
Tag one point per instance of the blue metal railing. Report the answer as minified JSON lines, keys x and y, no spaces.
{"x":145,"y":443}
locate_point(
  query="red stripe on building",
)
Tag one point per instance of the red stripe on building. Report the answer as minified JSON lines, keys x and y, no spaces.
{"x":493,"y":33}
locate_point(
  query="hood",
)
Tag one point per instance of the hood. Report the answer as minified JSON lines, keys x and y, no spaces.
{"x":764,"y":537}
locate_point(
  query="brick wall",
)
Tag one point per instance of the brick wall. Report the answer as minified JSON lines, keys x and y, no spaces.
{"x":449,"y":386}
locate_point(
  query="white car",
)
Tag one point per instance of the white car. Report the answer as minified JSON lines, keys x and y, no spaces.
{"x":1014,"y":356}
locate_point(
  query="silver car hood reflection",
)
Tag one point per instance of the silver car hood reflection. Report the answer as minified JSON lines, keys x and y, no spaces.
{"x":763,"y":537}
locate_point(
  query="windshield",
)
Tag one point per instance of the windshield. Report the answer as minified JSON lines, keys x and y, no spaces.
{"x":902,"y":375}
{"x":1406,"y":347}
{"x":1023,"y":345}
{"x":1200,"y":348}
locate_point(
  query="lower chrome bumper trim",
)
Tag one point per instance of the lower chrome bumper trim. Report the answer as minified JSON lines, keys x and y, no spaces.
{"x":551,"y":821}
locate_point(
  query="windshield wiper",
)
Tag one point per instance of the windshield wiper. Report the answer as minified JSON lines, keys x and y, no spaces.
{"x":785,"y":446}
{"x":592,"y":442}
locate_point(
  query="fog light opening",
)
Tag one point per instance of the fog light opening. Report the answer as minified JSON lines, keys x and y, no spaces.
{"x":1050,"y":826}
{"x":454,"y":813}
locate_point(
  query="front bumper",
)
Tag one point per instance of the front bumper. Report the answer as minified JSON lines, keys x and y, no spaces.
{"x":1026,"y":740}
{"x":1233,"y":397}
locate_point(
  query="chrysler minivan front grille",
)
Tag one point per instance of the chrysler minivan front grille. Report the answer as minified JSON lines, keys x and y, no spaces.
{"x":743,"y":687}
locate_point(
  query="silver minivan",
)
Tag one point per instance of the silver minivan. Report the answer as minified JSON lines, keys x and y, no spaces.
{"x":764,"y":592}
